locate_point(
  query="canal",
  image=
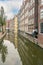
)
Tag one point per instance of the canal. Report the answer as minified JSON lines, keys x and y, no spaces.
{"x":17,"y":50}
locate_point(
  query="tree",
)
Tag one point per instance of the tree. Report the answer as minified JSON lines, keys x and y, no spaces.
{"x":3,"y":51}
{"x":2,"y":18}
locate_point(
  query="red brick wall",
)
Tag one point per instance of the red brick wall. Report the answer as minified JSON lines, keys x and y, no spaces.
{"x":40,"y":35}
{"x":40,"y":38}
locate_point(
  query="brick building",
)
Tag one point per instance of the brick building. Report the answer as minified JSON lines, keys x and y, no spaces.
{"x":31,"y":18}
{"x":40,"y":22}
{"x":33,"y":15}
{"x":23,"y":17}
{"x":28,"y":17}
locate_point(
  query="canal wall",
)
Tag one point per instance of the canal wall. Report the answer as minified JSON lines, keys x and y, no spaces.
{"x":30,"y":53}
{"x":31,"y":38}
{"x":2,"y":36}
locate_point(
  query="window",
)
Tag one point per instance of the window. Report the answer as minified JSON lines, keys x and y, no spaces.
{"x":41,"y":13}
{"x":32,"y":21}
{"x":26,"y":5}
{"x":33,"y":10}
{"x":26,"y":14}
{"x":30,"y":12}
{"x":41,"y":27}
{"x":33,"y":1}
{"x":42,"y":2}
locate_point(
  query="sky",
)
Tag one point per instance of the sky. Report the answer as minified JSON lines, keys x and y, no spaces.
{"x":11,"y":7}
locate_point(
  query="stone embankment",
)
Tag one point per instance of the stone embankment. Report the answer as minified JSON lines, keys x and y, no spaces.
{"x":2,"y":36}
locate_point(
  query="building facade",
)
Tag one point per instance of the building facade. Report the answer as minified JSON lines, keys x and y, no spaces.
{"x":12,"y":25}
{"x":33,"y":16}
{"x":30,"y":18}
{"x":40,"y":22}
{"x":16,"y":31}
{"x":23,"y":17}
{"x":15,"y":24}
{"x":7,"y":25}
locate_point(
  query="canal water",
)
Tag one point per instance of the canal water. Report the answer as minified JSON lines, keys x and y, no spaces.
{"x":17,"y":50}
{"x":8,"y":53}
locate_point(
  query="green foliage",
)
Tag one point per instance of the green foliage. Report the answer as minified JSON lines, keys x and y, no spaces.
{"x":3,"y":51}
{"x":2,"y":21}
{"x":2,"y":17}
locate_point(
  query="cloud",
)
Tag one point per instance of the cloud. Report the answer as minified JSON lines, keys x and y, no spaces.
{"x":10,"y":15}
{"x":11,"y":7}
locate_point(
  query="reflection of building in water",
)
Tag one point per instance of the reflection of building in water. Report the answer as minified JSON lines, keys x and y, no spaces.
{"x":31,"y":54}
{"x":16,"y":40}
{"x":15,"y":30}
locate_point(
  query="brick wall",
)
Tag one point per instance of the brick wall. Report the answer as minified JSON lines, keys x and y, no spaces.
{"x":40,"y":35}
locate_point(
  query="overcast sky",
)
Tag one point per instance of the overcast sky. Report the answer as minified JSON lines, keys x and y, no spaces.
{"x":11,"y":7}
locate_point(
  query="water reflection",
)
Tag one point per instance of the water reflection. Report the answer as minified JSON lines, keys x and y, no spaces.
{"x":3,"y":51}
{"x":13,"y":37}
{"x":10,"y":36}
{"x":30,"y":53}
{"x":9,"y":54}
{"x":16,"y":40}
